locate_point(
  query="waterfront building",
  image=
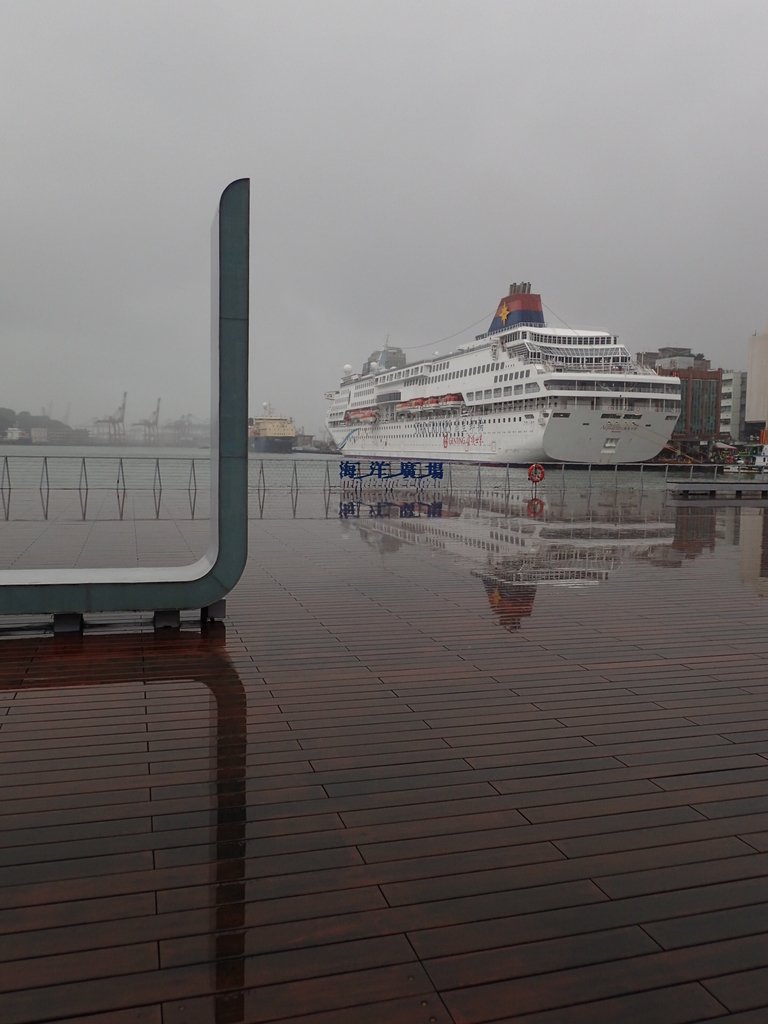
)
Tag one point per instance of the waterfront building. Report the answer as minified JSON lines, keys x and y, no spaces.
{"x":698,"y":426}
{"x":672,"y":358}
{"x":733,"y":404}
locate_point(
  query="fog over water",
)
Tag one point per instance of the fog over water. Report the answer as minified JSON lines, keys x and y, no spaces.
{"x":407,"y":161}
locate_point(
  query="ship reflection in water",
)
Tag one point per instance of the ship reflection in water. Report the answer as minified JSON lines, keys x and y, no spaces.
{"x":517,"y":543}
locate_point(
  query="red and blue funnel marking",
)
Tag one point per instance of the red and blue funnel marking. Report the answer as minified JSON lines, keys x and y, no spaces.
{"x":517,"y":309}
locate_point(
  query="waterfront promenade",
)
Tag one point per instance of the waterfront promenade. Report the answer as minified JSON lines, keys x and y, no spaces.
{"x":413,"y":779}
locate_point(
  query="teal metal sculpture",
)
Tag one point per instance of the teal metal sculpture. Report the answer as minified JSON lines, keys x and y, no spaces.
{"x":68,"y":594}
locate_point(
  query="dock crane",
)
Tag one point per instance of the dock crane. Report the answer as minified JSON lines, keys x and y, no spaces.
{"x":151,"y":426}
{"x":116,"y":423}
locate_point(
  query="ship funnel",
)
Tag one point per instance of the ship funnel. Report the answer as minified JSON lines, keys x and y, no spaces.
{"x":519,"y":307}
{"x":523,"y":288}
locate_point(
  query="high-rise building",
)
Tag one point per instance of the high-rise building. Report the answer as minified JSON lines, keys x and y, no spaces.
{"x":698,"y":425}
{"x":757,"y":383}
{"x":733,"y":404}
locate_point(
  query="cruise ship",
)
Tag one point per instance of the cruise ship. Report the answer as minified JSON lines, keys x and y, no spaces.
{"x":522,"y":392}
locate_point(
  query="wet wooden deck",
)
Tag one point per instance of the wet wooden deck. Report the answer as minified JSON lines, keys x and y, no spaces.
{"x":366,"y":801}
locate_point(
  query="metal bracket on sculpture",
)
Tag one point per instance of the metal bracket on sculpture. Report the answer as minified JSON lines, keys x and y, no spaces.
{"x":68,"y":594}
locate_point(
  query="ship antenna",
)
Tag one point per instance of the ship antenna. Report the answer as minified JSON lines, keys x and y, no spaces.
{"x":449,"y":337}
{"x":556,"y":316}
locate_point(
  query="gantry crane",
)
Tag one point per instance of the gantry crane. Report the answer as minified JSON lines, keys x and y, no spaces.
{"x":151,"y":426}
{"x":116,"y":423}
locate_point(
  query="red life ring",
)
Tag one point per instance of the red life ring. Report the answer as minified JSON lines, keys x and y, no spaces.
{"x":535,"y":507}
{"x":536,"y":473}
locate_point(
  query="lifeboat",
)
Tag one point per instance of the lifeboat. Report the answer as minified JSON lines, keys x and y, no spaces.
{"x":361,"y":415}
{"x":452,"y":399}
{"x":430,"y":403}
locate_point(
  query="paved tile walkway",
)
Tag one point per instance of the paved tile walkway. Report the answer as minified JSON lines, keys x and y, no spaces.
{"x":396,"y":788}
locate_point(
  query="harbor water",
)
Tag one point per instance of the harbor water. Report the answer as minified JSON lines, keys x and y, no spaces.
{"x":577,"y":527}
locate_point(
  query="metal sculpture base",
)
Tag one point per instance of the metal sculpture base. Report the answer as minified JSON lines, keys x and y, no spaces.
{"x":68,"y":622}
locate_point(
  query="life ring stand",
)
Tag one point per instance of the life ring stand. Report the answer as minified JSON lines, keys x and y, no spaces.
{"x":536,"y":473}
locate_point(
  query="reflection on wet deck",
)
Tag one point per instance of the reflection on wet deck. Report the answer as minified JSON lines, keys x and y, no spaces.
{"x":365,"y":801}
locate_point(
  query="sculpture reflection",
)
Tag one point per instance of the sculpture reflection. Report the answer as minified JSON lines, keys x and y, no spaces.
{"x":751,"y":534}
{"x":149,"y":659}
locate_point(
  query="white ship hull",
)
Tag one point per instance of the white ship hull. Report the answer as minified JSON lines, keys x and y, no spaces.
{"x":578,"y":437}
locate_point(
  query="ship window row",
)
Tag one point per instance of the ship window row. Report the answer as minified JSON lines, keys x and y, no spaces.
{"x":564,"y":350}
{"x":517,"y":389}
{"x":512,"y":336}
{"x":592,"y":362}
{"x":582,"y":360}
{"x":559,"y":339}
{"x":559,"y":385}
{"x":468,"y":372}
{"x":434,"y":378}
{"x":563,"y":384}
{"x":511,"y":376}
{"x":397,"y":431}
{"x":617,"y":405}
{"x":409,"y":371}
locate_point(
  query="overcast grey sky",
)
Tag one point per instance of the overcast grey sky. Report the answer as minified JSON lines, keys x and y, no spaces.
{"x":409,"y":158}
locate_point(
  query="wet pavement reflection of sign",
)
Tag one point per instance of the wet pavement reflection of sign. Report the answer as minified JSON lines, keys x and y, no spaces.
{"x":390,"y":509}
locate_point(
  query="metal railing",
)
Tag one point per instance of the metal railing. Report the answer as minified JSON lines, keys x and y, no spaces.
{"x":175,"y":484}
{"x":89,"y":475}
